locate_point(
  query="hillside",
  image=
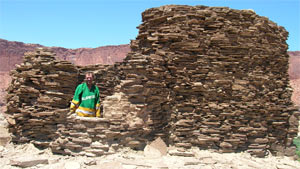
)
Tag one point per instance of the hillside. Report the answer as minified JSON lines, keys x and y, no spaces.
{"x":294,"y":73}
{"x":12,"y":53}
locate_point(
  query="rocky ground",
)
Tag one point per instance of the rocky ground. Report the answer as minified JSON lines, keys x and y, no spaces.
{"x":27,"y":156}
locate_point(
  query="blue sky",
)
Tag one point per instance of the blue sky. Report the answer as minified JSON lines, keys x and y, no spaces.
{"x":94,"y":23}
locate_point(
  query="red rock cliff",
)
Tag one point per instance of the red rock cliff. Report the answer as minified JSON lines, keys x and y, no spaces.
{"x":12,"y":53}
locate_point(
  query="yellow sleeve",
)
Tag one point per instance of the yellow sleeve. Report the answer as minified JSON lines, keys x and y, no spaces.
{"x":76,"y":99}
{"x":98,"y":114}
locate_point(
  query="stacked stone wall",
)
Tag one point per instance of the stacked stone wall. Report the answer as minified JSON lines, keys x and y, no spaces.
{"x":99,"y":136}
{"x":39,"y":96}
{"x":82,"y":136}
{"x":41,"y":91}
{"x":210,"y":77}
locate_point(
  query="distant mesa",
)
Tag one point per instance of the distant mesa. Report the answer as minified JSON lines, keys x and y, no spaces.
{"x":12,"y":52}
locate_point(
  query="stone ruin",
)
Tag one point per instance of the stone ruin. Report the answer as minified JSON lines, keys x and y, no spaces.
{"x":210,"y":77}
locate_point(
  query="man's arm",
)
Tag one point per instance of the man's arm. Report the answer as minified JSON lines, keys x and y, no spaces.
{"x":76,"y":99}
{"x":98,"y":114}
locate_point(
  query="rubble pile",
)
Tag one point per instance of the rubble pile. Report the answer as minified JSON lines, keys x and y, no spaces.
{"x":39,"y":96}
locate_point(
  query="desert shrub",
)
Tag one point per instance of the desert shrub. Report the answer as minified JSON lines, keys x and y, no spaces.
{"x":296,"y":141}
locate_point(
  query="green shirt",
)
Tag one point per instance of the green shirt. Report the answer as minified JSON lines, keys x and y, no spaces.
{"x":86,"y":102}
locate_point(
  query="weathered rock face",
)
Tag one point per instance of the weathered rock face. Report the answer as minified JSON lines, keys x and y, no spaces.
{"x":4,"y":82}
{"x":11,"y":53}
{"x":294,"y":74}
{"x":197,"y":76}
{"x":294,"y":61}
{"x":101,"y":55}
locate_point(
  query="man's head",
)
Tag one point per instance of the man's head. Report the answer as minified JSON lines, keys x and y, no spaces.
{"x":89,"y":77}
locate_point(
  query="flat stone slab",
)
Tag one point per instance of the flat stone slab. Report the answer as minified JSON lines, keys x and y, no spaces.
{"x":91,"y":119}
{"x":72,"y":165}
{"x":148,"y":163}
{"x":108,"y":165}
{"x":4,"y":136}
{"x":156,"y":149}
{"x":183,"y":154}
{"x":28,"y":161}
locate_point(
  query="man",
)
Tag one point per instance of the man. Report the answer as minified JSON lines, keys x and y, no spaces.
{"x":86,"y":100}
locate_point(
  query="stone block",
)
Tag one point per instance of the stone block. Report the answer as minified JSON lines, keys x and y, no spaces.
{"x":28,"y":161}
{"x":155,"y":149}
